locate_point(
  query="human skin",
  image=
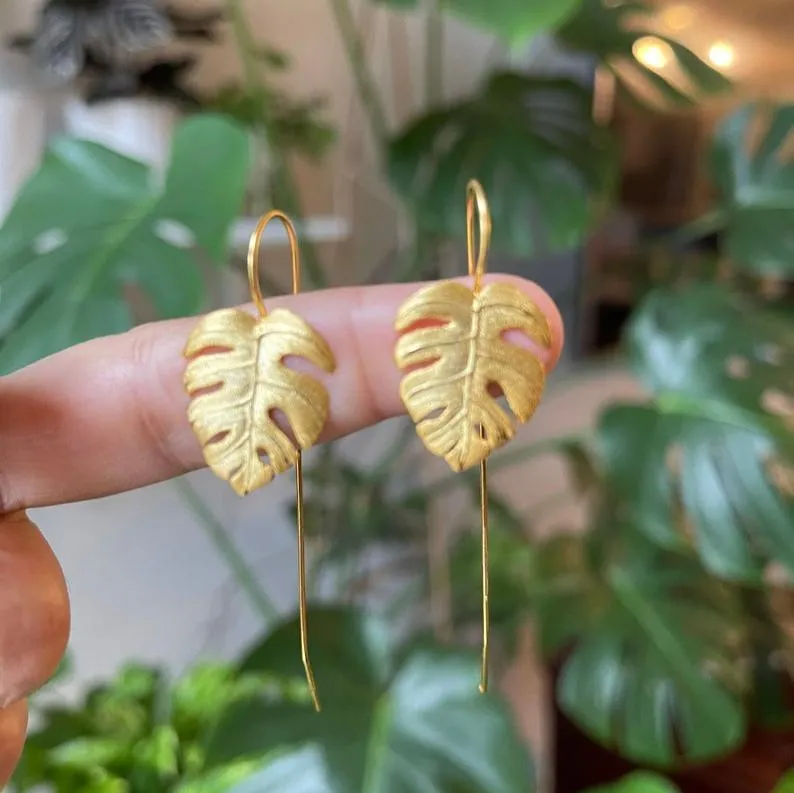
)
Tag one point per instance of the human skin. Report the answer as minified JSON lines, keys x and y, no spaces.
{"x":109,"y":416}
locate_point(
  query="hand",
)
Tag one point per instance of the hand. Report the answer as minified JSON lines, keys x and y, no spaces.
{"x":110,"y":415}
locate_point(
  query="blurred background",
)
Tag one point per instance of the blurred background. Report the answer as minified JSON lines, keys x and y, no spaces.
{"x":638,"y":160}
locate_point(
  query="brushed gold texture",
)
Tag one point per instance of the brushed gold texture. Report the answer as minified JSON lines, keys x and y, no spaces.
{"x":237,"y":379}
{"x":455,"y":336}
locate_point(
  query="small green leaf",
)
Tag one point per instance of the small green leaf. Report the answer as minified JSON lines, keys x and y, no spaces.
{"x":638,"y":782}
{"x":205,"y":691}
{"x":533,"y":145}
{"x":222,"y":780}
{"x":102,"y":782}
{"x":390,"y":721}
{"x":90,"y":223}
{"x":158,"y":753}
{"x":513,"y":20}
{"x":86,"y":753}
{"x":757,"y":188}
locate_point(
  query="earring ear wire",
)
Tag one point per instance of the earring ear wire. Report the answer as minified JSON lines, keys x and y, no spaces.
{"x":451,"y":344}
{"x":236,"y":379}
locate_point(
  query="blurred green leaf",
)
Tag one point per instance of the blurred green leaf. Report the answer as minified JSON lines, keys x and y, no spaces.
{"x":90,"y":222}
{"x":221,"y":780}
{"x":609,"y":32}
{"x":532,"y":143}
{"x":563,"y":593}
{"x":581,"y":465}
{"x":354,"y":510}
{"x":511,"y":567}
{"x":390,"y":720}
{"x":515,"y":21}
{"x":638,"y":782}
{"x":706,"y":462}
{"x":399,"y":5}
{"x":205,"y":691}
{"x":756,"y":183}
{"x":101,"y":782}
{"x":157,"y":757}
{"x":86,"y":753}
{"x":786,"y":784}
{"x":293,"y":126}
{"x":655,"y":673}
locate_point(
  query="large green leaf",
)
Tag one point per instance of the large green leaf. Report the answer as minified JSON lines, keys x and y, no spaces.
{"x":609,"y":31}
{"x":654,"y":671}
{"x":756,"y":184}
{"x":91,"y":222}
{"x":706,"y":462}
{"x":515,"y":21}
{"x":531,"y":142}
{"x":390,"y":721}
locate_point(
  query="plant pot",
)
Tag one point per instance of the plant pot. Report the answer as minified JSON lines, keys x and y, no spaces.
{"x":136,"y":127}
{"x":580,"y":763}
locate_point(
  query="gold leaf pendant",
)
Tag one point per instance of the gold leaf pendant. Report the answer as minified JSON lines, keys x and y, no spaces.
{"x":462,"y":355}
{"x":237,"y":379}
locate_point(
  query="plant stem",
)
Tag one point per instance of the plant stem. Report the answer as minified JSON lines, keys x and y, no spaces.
{"x":366,"y":86}
{"x":708,"y":224}
{"x":284,"y":187}
{"x":225,"y":546}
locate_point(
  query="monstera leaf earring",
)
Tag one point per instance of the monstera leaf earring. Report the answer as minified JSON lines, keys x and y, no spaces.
{"x":452,"y":339}
{"x":236,"y":379}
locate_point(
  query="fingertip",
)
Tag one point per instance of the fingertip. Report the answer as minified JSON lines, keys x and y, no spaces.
{"x":13,"y":726}
{"x":549,"y":309}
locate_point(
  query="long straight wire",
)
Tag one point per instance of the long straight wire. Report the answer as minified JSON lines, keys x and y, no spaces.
{"x":259,"y":301}
{"x":486,"y":582}
{"x":307,"y":664}
{"x":476,"y":201}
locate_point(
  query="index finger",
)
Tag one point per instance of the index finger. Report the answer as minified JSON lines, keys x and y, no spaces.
{"x":110,"y":415}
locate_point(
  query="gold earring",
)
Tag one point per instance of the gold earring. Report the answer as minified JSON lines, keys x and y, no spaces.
{"x":236,"y":379}
{"x":451,"y":338}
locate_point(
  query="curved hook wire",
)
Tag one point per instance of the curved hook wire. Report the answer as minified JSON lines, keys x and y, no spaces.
{"x":253,"y":257}
{"x":476,"y":199}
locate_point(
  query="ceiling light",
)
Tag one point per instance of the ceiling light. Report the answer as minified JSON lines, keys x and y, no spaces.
{"x":722,"y":54}
{"x":651,"y":52}
{"x":678,"y":17}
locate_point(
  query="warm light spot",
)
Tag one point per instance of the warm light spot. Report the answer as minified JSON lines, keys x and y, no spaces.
{"x":678,"y":17}
{"x":722,"y":54}
{"x":651,"y":52}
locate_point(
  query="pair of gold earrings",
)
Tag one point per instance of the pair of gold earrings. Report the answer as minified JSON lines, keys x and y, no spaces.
{"x":451,"y":339}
